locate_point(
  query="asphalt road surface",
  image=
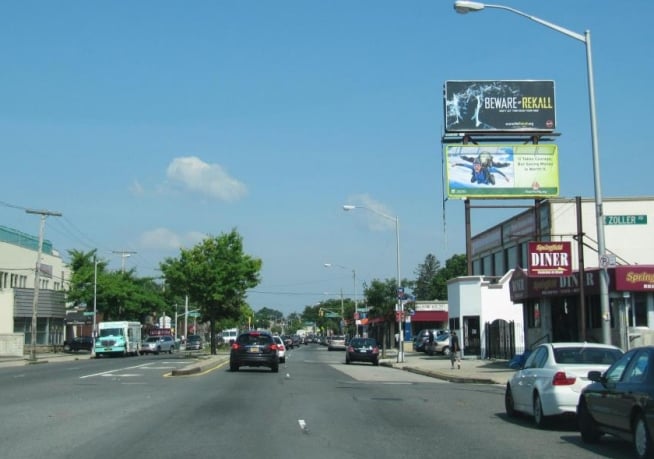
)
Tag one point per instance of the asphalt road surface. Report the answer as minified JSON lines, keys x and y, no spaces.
{"x":315,"y":407}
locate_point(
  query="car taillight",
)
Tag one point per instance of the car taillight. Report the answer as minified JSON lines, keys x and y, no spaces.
{"x":235,"y":346}
{"x":273,"y":347}
{"x":350,"y":349}
{"x":561,"y":379}
{"x":375,"y":350}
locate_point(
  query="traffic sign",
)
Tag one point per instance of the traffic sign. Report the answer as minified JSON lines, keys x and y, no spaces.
{"x":88,"y":313}
{"x":625,"y":219}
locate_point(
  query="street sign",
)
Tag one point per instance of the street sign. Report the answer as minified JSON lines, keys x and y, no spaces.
{"x":194,"y":314}
{"x":87,"y":313}
{"x":625,"y":219}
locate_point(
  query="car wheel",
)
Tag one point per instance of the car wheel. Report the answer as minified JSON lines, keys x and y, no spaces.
{"x":641,"y":438}
{"x":446,"y":350}
{"x":539,"y":418}
{"x":587,"y":426}
{"x":347,"y":361}
{"x":275,"y":368}
{"x":233,"y":367}
{"x":282,"y":360}
{"x":375,"y":362}
{"x":508,"y":402}
{"x":170,"y":351}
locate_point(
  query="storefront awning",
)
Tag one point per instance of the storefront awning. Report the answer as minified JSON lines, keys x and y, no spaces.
{"x":429,"y":316}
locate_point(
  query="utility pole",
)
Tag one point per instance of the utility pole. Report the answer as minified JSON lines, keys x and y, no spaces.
{"x":44,"y":214}
{"x":123,"y":254}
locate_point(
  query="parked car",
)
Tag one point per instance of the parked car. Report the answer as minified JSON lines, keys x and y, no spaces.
{"x":620,"y":402}
{"x":254,"y":349}
{"x":362,"y":350}
{"x":157,"y":344}
{"x":441,"y":345}
{"x":281,"y":348}
{"x":194,"y":343}
{"x":288,"y":341}
{"x":552,"y":378}
{"x":422,"y":338}
{"x":336,"y":343}
{"x":79,"y":343}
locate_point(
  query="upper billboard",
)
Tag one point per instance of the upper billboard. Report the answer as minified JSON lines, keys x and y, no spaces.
{"x":487,"y":106}
{"x":502,"y":171}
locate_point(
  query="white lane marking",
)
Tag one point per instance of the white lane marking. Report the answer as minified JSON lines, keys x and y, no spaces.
{"x":113,"y":371}
{"x":303,"y":425}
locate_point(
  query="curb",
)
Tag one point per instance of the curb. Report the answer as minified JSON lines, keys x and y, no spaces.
{"x":442,"y":375}
{"x":199,"y":367}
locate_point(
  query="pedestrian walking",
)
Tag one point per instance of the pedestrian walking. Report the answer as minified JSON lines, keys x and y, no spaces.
{"x":455,"y":350}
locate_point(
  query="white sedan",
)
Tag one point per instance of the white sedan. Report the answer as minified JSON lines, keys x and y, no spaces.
{"x":281,"y":348}
{"x":551,"y":380}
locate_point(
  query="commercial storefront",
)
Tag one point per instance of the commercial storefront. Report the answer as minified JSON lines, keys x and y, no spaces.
{"x":567,"y":308}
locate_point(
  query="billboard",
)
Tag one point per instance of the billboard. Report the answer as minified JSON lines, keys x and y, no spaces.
{"x":502,"y":171}
{"x":550,"y":259}
{"x":483,"y":106}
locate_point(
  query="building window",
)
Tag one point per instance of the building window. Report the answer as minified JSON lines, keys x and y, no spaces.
{"x":638,"y":313}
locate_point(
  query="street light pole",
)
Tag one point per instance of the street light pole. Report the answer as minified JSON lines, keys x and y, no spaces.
{"x":467,"y":6}
{"x":398,"y":306}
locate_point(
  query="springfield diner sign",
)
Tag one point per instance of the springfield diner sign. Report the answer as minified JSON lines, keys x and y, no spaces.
{"x":550,"y":259}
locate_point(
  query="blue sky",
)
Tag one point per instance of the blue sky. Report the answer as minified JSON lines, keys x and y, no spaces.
{"x":151,"y":124}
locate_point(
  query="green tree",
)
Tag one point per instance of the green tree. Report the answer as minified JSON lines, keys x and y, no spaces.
{"x":455,"y":266}
{"x":426,"y":272}
{"x":216,"y":274}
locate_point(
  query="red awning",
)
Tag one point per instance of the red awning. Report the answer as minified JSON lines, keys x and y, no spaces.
{"x":430,"y":316}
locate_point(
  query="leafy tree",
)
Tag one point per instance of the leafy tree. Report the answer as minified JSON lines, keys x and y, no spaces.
{"x":455,"y":266}
{"x":216,"y":274}
{"x":425,"y":275}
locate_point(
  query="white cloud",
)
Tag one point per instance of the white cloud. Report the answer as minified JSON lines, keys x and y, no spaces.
{"x":136,"y":188}
{"x":376,"y":214}
{"x":164,"y":238}
{"x":194,"y":175}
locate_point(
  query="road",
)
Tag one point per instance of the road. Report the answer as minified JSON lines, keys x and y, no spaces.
{"x":315,"y":407}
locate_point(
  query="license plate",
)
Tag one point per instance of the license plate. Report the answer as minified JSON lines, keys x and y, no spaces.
{"x":253,"y":349}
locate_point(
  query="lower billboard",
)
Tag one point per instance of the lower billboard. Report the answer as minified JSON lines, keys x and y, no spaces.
{"x":502,"y":171}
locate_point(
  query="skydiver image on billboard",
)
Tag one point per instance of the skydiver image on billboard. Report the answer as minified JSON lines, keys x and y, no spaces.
{"x":483,"y":168}
{"x":506,"y":171}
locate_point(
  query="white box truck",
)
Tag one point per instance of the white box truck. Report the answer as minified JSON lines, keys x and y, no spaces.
{"x":118,"y":338}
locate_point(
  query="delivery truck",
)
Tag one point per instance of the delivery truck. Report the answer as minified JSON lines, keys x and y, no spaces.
{"x":118,"y":338}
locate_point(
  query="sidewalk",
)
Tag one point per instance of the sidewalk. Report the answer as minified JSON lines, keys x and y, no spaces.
{"x":473,"y":370}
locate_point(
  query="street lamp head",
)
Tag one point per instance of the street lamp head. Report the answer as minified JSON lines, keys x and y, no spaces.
{"x":327,"y":265}
{"x":347,"y":207}
{"x":463,"y":6}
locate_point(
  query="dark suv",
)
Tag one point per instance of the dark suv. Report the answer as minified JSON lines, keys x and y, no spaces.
{"x":254,"y":349}
{"x":79,"y":343}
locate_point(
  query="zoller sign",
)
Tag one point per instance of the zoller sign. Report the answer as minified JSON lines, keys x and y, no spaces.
{"x":550,"y":259}
{"x":479,"y":106}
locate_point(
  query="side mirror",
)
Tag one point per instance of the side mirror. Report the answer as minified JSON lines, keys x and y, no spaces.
{"x":595,"y":376}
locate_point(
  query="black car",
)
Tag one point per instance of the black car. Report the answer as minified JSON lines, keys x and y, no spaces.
{"x":362,"y":350}
{"x":254,"y":349}
{"x":620,"y":402}
{"x":79,"y":343}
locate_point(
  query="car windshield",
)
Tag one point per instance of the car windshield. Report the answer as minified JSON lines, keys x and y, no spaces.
{"x":111,"y":332}
{"x":363,"y":342}
{"x":152,"y":339}
{"x":254,"y":338}
{"x":586,"y":355}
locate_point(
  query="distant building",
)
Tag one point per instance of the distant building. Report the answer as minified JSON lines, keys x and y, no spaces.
{"x":18,"y":253}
